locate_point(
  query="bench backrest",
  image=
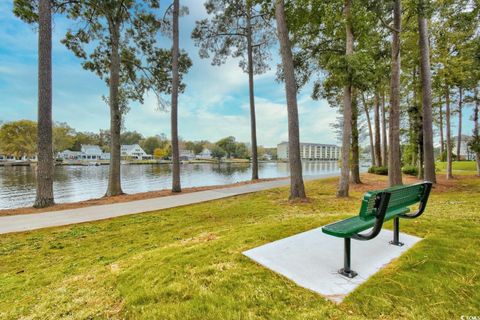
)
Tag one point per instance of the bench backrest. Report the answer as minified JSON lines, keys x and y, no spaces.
{"x":401,"y":197}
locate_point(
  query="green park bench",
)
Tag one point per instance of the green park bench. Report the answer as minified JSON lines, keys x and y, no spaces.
{"x":379,"y":206}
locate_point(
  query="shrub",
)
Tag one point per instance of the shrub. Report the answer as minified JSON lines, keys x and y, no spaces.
{"x":443,"y":156}
{"x":410,"y":170}
{"x":383,"y":171}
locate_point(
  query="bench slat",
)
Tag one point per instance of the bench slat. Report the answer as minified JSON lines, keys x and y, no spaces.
{"x":346,"y":228}
{"x":401,"y":197}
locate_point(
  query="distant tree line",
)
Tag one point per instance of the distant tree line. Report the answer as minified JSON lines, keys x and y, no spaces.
{"x":18,"y":139}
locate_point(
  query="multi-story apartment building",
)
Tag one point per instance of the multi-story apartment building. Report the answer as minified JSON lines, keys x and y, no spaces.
{"x":311,"y":151}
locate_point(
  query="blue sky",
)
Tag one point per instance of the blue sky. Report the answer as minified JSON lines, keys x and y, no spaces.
{"x":214,"y":105}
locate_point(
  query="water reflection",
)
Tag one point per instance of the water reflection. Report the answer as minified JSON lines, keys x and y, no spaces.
{"x":230,"y":169}
{"x":77,"y":183}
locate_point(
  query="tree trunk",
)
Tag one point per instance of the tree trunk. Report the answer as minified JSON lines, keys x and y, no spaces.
{"x":429,"y":159}
{"x":347,"y":112}
{"x":253,"y":125}
{"x":370,"y":132}
{"x":114,"y":174}
{"x":449,"y":139}
{"x":413,"y":124}
{"x":459,"y":137}
{"x":44,"y":197}
{"x":477,"y":158}
{"x":421,"y":151}
{"x":355,"y":168}
{"x":394,"y":158}
{"x":442,"y":140}
{"x":376,"y":121}
{"x":176,"y":187}
{"x":417,"y":120}
{"x":384,"y":133}
{"x":412,"y":135}
{"x":476,"y":114}
{"x":297,"y":188}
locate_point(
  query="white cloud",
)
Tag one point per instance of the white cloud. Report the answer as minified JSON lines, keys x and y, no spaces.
{"x":214,"y":105}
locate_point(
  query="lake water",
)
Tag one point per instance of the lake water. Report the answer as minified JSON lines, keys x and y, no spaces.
{"x":77,"y":183}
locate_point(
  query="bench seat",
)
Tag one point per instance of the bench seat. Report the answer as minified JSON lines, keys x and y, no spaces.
{"x":348,"y":227}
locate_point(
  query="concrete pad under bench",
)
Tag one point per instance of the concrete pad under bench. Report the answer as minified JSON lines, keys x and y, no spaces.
{"x":312,"y":259}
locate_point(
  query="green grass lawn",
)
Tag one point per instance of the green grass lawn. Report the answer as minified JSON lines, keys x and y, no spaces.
{"x":186,"y":263}
{"x":458,"y":165}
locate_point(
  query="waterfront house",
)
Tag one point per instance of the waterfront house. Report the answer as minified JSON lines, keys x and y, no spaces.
{"x":311,"y":151}
{"x":69,"y":155}
{"x":7,"y":158}
{"x":134,"y":151}
{"x":186,"y":155}
{"x":17,"y":159}
{"x":87,"y":153}
{"x":206,"y":154}
{"x":91,"y":152}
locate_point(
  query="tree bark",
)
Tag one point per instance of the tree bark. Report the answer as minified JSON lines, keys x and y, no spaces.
{"x":253,"y":122}
{"x":176,"y":186}
{"x":442,"y":140}
{"x":370,"y":132}
{"x":394,"y":158}
{"x":412,"y":136}
{"x":477,"y":157}
{"x":376,"y":121}
{"x":429,"y":159}
{"x":421,"y":152}
{"x":297,"y":188}
{"x":417,"y":123}
{"x":44,"y":197}
{"x":384,"y":133}
{"x":448,"y":133}
{"x":459,"y":137}
{"x":347,"y":112}
{"x":476,"y":114}
{"x":355,"y":168}
{"x":413,"y":121}
{"x":114,"y":175}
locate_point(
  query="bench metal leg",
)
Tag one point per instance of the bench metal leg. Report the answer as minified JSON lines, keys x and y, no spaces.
{"x":396,"y":233}
{"x":346,"y":271}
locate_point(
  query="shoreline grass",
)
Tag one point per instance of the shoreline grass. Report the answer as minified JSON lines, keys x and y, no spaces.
{"x":186,"y":263}
{"x":458,"y":166}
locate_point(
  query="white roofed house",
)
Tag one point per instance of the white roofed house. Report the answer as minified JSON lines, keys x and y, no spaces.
{"x":206,"y":154}
{"x":186,"y":155}
{"x":70,"y":155}
{"x":106,"y":156}
{"x":91,"y":152}
{"x":88,"y":153}
{"x":134,"y":151}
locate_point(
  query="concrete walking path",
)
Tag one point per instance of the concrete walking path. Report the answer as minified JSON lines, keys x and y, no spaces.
{"x":26,"y":222}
